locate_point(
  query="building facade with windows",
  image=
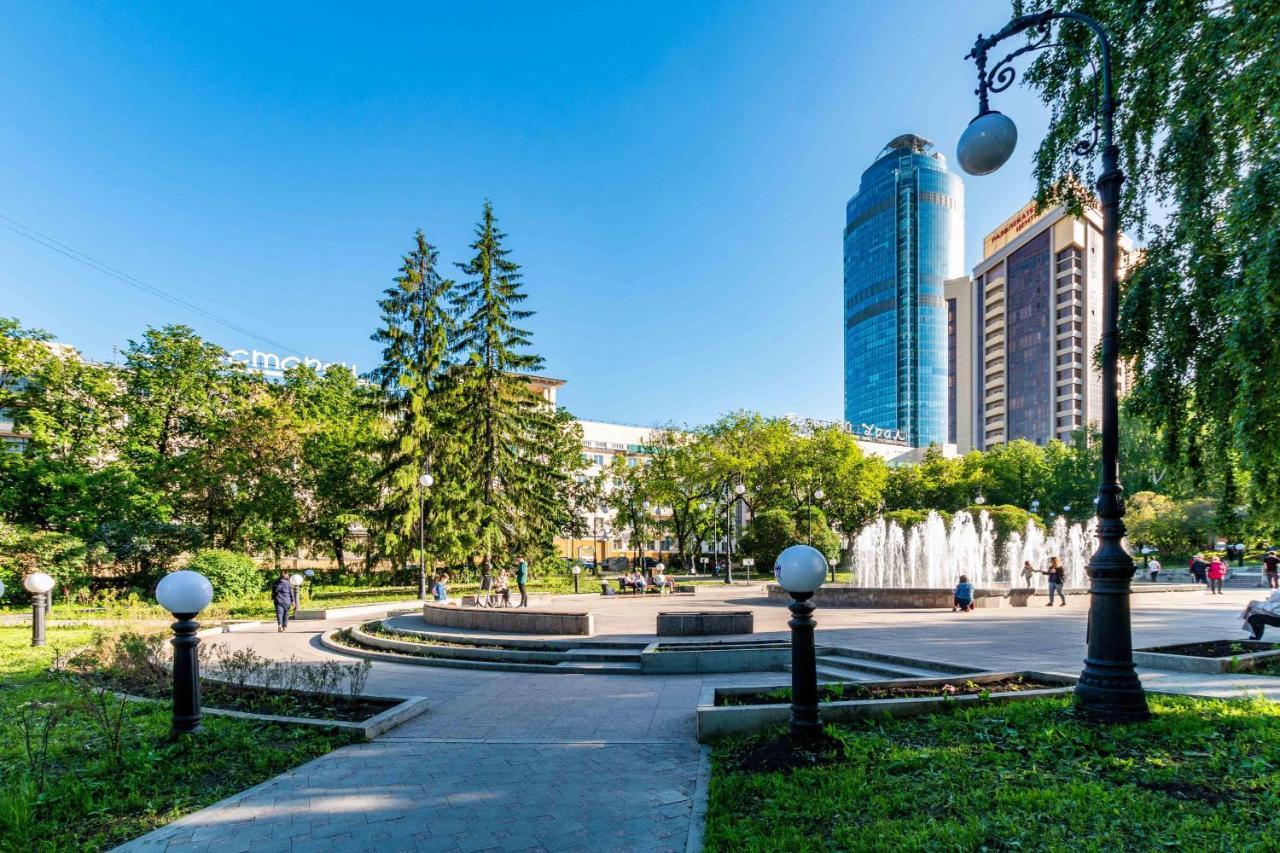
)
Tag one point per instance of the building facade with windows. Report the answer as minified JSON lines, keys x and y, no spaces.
{"x":1037,"y":304}
{"x":903,"y":238}
{"x":961,"y":366}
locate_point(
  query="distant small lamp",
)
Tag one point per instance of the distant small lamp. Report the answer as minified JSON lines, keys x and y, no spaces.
{"x":296,"y":580}
{"x":739,"y":489}
{"x":800,"y":570}
{"x":185,"y":594}
{"x":832,"y":563}
{"x":38,"y":584}
{"x":980,"y":499}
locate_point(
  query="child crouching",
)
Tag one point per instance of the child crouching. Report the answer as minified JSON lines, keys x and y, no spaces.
{"x":963,"y":600}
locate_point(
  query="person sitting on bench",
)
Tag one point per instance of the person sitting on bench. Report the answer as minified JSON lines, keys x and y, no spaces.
{"x":1260,"y":613}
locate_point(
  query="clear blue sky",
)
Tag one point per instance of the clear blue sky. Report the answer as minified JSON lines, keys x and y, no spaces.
{"x":672,"y":175}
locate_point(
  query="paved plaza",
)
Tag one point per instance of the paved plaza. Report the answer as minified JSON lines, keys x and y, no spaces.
{"x":534,"y":761}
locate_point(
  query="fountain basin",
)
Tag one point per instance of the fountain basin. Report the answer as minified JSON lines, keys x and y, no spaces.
{"x":845,"y":595}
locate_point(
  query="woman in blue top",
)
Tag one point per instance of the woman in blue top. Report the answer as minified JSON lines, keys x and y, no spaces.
{"x":440,"y":592}
{"x":963,"y":600}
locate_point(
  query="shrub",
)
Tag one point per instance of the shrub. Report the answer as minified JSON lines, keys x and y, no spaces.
{"x":1007,"y":519}
{"x":232,"y":575}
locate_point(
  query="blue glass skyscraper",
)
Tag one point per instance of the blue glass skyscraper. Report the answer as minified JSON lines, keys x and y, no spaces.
{"x":903,"y":237}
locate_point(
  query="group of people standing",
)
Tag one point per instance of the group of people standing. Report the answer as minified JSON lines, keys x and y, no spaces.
{"x":495,"y":590}
{"x":1056,"y":574}
{"x":1211,"y":572}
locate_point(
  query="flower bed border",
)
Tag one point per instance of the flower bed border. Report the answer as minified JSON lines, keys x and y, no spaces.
{"x":1191,"y":663}
{"x":717,"y":721}
{"x":404,"y":710}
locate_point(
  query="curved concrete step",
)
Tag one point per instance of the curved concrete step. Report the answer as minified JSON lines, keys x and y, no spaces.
{"x":875,"y":669}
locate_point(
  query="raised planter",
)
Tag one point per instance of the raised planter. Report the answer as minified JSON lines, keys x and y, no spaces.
{"x":705,"y":623}
{"x":715,"y":722}
{"x":509,"y":620}
{"x":404,"y":710}
{"x":840,"y":595}
{"x":535,"y":598}
{"x":1156,"y":658}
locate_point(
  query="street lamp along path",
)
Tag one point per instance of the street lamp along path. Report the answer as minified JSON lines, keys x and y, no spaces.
{"x":38,"y":584}
{"x":800,"y":570}
{"x":1108,"y":689}
{"x":184,"y":594}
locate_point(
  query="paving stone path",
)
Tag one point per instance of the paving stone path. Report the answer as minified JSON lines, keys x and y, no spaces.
{"x":552,"y":762}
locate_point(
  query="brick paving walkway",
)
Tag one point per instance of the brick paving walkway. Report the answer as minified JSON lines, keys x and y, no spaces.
{"x":522,"y":761}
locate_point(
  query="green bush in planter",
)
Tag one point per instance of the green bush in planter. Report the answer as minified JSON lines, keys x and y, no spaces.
{"x":233,"y":575}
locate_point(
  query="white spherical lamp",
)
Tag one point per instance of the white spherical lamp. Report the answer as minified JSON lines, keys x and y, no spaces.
{"x":987,"y":143}
{"x":296,"y":579}
{"x":739,"y":489}
{"x":800,"y":569}
{"x":1,"y":589}
{"x":310,"y":573}
{"x":37,"y":583}
{"x":184,"y":592}
{"x":426,"y":480}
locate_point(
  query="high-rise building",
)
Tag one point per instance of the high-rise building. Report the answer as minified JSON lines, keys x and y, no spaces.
{"x":1038,"y":296}
{"x":961,"y":333}
{"x":903,"y":238}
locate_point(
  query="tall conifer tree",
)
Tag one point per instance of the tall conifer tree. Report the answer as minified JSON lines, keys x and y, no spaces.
{"x":417,"y":427}
{"x":518,"y":467}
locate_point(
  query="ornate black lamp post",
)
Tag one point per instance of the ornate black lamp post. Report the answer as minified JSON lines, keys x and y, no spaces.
{"x":1109,"y":688}
{"x":800,"y":570}
{"x":185,"y":594}
{"x":38,"y":584}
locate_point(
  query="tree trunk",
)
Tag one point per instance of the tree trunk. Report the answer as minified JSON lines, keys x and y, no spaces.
{"x":339,"y":554}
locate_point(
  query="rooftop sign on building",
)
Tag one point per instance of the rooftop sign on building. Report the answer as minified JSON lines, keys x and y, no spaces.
{"x":273,"y":365}
{"x":1011,"y":228}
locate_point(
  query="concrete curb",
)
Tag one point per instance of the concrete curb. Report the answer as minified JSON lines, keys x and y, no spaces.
{"x":1189,"y":663}
{"x":403,"y":711}
{"x":413,"y":657}
{"x":701,"y":792}
{"x":717,"y":721}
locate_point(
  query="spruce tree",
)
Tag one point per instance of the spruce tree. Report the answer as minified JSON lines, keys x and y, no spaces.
{"x":517,"y":445}
{"x":417,"y":433}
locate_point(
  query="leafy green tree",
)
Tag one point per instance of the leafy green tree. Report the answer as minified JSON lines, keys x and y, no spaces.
{"x":339,"y":418}
{"x":767,"y":534}
{"x":419,"y":429}
{"x":1198,"y":87}
{"x":1016,"y":474}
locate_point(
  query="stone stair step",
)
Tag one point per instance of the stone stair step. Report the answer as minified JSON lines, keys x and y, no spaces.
{"x":880,"y":669}
{"x":603,"y":667}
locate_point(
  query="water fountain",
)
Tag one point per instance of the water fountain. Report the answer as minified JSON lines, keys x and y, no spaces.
{"x":919,"y":567}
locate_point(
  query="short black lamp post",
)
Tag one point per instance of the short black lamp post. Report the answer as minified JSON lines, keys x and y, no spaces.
{"x":738,"y":491}
{"x":832,"y":563}
{"x":38,"y":584}
{"x":185,"y":594}
{"x":1109,"y":688}
{"x":800,"y":570}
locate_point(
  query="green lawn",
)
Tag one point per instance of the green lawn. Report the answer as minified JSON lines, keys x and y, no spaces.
{"x":92,"y":798}
{"x":1203,"y":775}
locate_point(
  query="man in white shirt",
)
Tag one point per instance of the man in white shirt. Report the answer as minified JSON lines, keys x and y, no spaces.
{"x":1153,"y":566}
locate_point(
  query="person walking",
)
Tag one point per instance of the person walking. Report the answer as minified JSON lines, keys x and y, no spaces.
{"x":522,"y":578}
{"x":1217,"y":571}
{"x":1154,"y":568}
{"x":1199,"y":568}
{"x":484,"y":596}
{"x":284,"y":599}
{"x":1028,"y":573}
{"x":1271,"y":568}
{"x":1057,"y":581}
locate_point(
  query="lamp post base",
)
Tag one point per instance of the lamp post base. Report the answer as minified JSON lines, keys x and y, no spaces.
{"x":805,"y":721}
{"x":1109,"y":690}
{"x":38,"y":608}
{"x":186,"y":676}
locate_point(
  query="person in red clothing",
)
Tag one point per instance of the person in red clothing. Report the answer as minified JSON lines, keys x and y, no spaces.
{"x":1217,"y":571}
{"x":1272,"y":565}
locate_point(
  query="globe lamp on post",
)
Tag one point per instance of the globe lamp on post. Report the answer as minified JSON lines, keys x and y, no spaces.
{"x":1109,"y":689}
{"x":185,"y":594}
{"x":38,"y":584}
{"x":800,"y":570}
{"x":296,"y":580}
